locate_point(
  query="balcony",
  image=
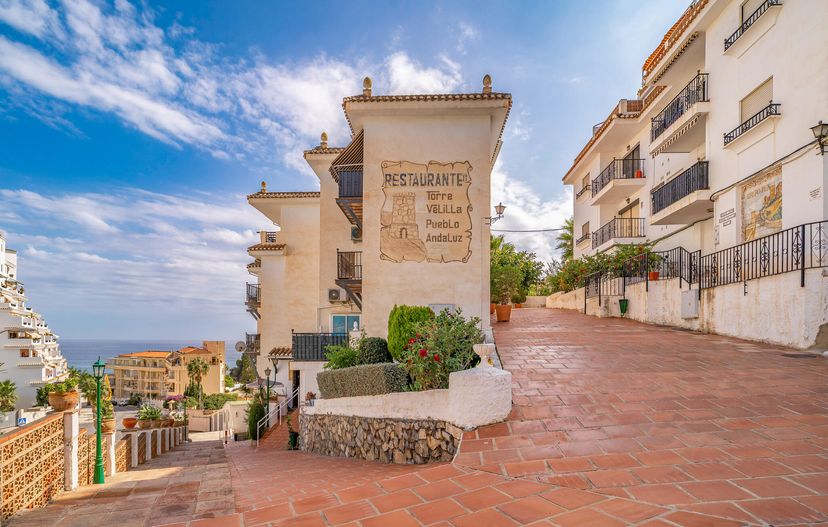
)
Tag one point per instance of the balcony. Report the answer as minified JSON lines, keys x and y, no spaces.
{"x":771,"y":110}
{"x":679,"y":127}
{"x":750,"y":21}
{"x":349,"y":274}
{"x":620,"y":179}
{"x":350,"y":192}
{"x":584,"y":237}
{"x":311,"y":346}
{"x":253,"y":300}
{"x":684,"y":199}
{"x":583,"y":191}
{"x":618,"y":231}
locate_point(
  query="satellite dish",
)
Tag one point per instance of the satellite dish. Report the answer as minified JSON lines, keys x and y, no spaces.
{"x":241,"y":346}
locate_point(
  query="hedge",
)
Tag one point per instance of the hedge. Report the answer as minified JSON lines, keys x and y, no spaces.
{"x":366,"y":379}
{"x":401,"y":323}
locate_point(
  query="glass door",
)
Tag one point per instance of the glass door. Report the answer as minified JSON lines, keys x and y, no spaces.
{"x":345,"y":323}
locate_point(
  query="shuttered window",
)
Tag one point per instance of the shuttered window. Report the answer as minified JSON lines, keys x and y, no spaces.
{"x":585,"y":181}
{"x":750,"y":7}
{"x":585,"y":229}
{"x":756,"y":100}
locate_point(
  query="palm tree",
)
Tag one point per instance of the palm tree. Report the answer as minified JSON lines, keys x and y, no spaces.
{"x":566,"y":238}
{"x":196,"y":370}
{"x":8,"y":396}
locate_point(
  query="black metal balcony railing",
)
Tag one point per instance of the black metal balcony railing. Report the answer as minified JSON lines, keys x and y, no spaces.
{"x":761,"y":115}
{"x":253,"y":293}
{"x":749,"y":21}
{"x":251,"y":340}
{"x":349,"y":265}
{"x":618,"y":169}
{"x":311,"y":346}
{"x":695,"y":91}
{"x":350,"y":181}
{"x":583,"y":191}
{"x":689,"y":181}
{"x":269,"y":237}
{"x":618,"y":228}
{"x":583,"y":238}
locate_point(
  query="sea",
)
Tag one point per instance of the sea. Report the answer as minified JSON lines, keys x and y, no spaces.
{"x":82,"y":353}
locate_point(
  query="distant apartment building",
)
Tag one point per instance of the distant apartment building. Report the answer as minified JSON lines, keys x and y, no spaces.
{"x":401,"y":217}
{"x":29,"y":350}
{"x":716,"y":163}
{"x":156,"y":374}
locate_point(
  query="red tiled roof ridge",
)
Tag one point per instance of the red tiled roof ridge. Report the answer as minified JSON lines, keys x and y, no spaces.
{"x":285,"y":195}
{"x":267,"y":247}
{"x":672,"y":35}
{"x":324,"y":150}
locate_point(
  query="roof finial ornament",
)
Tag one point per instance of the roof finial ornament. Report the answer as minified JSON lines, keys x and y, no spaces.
{"x":366,"y":87}
{"x":264,"y":186}
{"x":323,"y":140}
{"x":487,"y":83}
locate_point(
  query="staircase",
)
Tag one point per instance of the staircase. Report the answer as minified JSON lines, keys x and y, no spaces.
{"x":276,"y":437}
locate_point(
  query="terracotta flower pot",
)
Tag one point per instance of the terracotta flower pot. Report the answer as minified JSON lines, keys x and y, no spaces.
{"x":492,"y":308}
{"x":503,"y":312}
{"x":130,"y":422}
{"x":143,"y":424}
{"x":108,"y":426}
{"x":61,"y":402}
{"x":168,"y":422}
{"x":653,"y":275}
{"x":156,"y":423}
{"x":518,"y":306}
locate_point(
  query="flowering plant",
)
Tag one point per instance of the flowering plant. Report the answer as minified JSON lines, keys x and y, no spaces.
{"x":425,"y":367}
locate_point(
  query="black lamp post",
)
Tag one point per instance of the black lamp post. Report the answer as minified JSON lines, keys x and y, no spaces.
{"x":98,"y":373}
{"x":820,"y":132}
{"x":267,"y":412}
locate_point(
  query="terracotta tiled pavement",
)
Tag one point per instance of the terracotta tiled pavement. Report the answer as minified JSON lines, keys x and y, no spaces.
{"x":614,"y":423}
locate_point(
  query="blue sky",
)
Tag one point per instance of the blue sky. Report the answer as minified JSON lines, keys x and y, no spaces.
{"x":130,"y":132}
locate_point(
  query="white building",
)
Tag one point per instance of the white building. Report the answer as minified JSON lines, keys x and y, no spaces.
{"x":400,"y":217}
{"x":28,"y":349}
{"x":715,"y":159}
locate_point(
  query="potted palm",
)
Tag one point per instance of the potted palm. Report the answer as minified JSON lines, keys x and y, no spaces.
{"x":63,"y":395}
{"x":519,"y":298}
{"x":107,"y":417}
{"x":149,"y":416}
{"x":505,"y":281}
{"x":653,"y":266}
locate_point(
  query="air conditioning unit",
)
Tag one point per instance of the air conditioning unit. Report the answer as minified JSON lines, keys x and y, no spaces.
{"x":356,"y":234}
{"x":336,"y":294}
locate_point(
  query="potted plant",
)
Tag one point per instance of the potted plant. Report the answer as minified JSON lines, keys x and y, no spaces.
{"x":63,"y":395}
{"x":293,"y":435}
{"x":130,"y":422}
{"x":309,"y":398}
{"x":518,"y":298}
{"x":653,"y":266}
{"x":505,"y":281}
{"x":107,"y":417}
{"x":149,"y":416}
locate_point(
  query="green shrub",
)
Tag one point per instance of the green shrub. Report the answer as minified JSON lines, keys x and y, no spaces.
{"x":519,"y":297}
{"x":215,"y":401}
{"x":373,"y":350}
{"x":442,"y":345}
{"x":366,"y":379}
{"x":401,"y":326}
{"x":340,"y":356}
{"x":255,"y":412}
{"x":149,"y":412}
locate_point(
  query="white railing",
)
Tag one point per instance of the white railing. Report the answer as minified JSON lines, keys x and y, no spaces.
{"x":276,"y":414}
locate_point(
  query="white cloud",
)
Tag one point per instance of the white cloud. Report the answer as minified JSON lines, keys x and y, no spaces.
{"x":33,"y":16}
{"x":407,"y":76}
{"x":465,"y":33}
{"x":525,"y":210}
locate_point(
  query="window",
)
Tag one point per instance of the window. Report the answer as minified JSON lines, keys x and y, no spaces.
{"x":585,"y":229}
{"x":345,"y":323}
{"x":756,"y":100}
{"x":585,"y":181}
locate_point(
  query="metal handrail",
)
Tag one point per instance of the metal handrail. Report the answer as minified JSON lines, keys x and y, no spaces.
{"x":618,"y":228}
{"x":278,"y":410}
{"x":749,"y":21}
{"x":350,"y":180}
{"x":693,"y":179}
{"x":349,"y":265}
{"x":761,"y":115}
{"x":311,"y":346}
{"x":626,"y":168}
{"x":583,"y":190}
{"x":695,"y":91}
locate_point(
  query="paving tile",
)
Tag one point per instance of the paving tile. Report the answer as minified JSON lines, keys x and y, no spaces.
{"x":530,"y":509}
{"x":438,"y":510}
{"x":628,"y":510}
{"x":572,"y":498}
{"x":781,"y":511}
{"x":397,"y":519}
{"x":351,"y":511}
{"x":661,"y":474}
{"x":439,"y":489}
{"x":666,"y":494}
{"x":395,"y":500}
{"x":772,"y":487}
{"x":488,"y":517}
{"x":518,"y":488}
{"x":715,"y":491}
{"x":690,"y":519}
{"x":586,"y":518}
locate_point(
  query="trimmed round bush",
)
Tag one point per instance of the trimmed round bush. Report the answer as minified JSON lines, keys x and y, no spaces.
{"x":373,"y":350}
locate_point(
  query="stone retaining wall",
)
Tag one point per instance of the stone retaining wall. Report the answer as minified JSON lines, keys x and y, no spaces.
{"x":400,"y":441}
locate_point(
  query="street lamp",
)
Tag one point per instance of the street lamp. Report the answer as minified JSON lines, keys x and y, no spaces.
{"x":820,"y":132}
{"x":499,"y":209}
{"x":98,"y":373}
{"x":267,"y":412}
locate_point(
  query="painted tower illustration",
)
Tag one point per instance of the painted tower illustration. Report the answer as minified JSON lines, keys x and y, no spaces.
{"x":404,"y":217}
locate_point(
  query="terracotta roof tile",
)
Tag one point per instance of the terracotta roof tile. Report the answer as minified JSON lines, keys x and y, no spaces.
{"x":672,"y":36}
{"x":320,"y":150}
{"x":284,"y":195}
{"x":267,"y":247}
{"x":281,"y":351}
{"x":149,"y":354}
{"x":192,"y":350}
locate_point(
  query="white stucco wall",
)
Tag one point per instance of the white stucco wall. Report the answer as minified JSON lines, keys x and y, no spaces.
{"x":475,"y":397}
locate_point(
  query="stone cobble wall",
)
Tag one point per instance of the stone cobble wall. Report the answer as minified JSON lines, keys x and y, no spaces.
{"x":400,"y":441}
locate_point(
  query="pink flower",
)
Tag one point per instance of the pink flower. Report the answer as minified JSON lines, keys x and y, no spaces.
{"x":423,"y":353}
